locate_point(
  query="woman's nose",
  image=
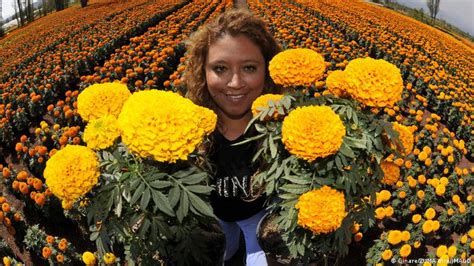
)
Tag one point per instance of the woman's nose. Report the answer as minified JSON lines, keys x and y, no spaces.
{"x":235,"y":81}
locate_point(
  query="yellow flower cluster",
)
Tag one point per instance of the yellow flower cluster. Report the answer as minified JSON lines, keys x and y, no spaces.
{"x":391,"y":172}
{"x":296,"y":67}
{"x":336,"y":84}
{"x":71,"y":173}
{"x":262,"y":102}
{"x":89,"y":258}
{"x":312,"y":132}
{"x":102,"y":99}
{"x":163,"y":125}
{"x":406,"y":137}
{"x":321,"y":210}
{"x":101,"y":133}
{"x":375,"y":83}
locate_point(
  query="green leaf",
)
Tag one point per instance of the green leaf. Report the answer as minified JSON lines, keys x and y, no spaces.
{"x":183,"y":207}
{"x":163,"y":203}
{"x":144,"y":227}
{"x":298,"y":180}
{"x":356,"y":143}
{"x":174,"y":195}
{"x":137,"y":193}
{"x":273,"y":148}
{"x":158,"y":184}
{"x":346,"y":150}
{"x":145,"y":199}
{"x":200,"y":205}
{"x":295,"y":188}
{"x":194,"y":178}
{"x":200,"y":189}
{"x":184,"y":173}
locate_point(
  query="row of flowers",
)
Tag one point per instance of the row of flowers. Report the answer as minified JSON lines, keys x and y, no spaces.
{"x":20,"y":47}
{"x":27,"y":93}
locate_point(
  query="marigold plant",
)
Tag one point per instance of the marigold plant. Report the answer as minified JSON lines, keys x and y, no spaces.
{"x":101,"y":133}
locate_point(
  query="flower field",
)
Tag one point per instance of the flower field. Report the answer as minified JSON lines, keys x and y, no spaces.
{"x":417,"y":199}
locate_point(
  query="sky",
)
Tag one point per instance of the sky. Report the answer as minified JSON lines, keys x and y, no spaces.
{"x":460,"y":13}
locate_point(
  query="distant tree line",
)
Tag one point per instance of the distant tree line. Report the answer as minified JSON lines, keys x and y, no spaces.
{"x":26,"y":11}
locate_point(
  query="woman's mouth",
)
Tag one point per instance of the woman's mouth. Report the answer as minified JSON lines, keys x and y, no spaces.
{"x":235,"y":97}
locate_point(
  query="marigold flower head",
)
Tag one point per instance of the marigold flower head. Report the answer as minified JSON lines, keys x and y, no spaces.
{"x":394,"y":237}
{"x":405,"y":136}
{"x":163,"y":125}
{"x":102,"y":99}
{"x":101,"y":133}
{"x":321,"y":210}
{"x":296,"y":67}
{"x":88,"y":258}
{"x":405,"y":250}
{"x":109,"y":258}
{"x":263,"y":101}
{"x":312,"y":132}
{"x":375,"y":83}
{"x":387,"y":254}
{"x":336,"y":84}
{"x":430,"y":213}
{"x":391,"y":172}
{"x":71,"y":173}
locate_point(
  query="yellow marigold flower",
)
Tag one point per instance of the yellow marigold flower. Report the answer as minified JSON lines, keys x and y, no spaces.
{"x":71,"y":173}
{"x":440,"y":190}
{"x":430,"y":213}
{"x":389,"y":211}
{"x":380,"y":213}
{"x":456,"y":199}
{"x":394,"y":237}
{"x":405,"y":136}
{"x":426,"y":263}
{"x":416,"y":218}
{"x":375,"y":83}
{"x":427,"y":227}
{"x":295,"y":67}
{"x":385,"y":195}
{"x":101,"y":133}
{"x":402,"y":194}
{"x":405,"y":250}
{"x":387,"y":254}
{"x":312,"y":132}
{"x":109,"y":258}
{"x":263,"y":101}
{"x":405,"y":236}
{"x":163,"y":125}
{"x":336,"y":84}
{"x":391,"y":172}
{"x":102,"y":99}
{"x":441,"y":250}
{"x":463,"y":239}
{"x":450,"y":212}
{"x":452,"y":250}
{"x":417,"y":244}
{"x":321,"y":210}
{"x":88,"y":258}
{"x":422,"y":156}
{"x":420,"y":194}
{"x":6,"y":261}
{"x":412,"y":207}
{"x":471,"y":233}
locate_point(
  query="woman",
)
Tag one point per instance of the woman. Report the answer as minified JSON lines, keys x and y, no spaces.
{"x":226,"y":71}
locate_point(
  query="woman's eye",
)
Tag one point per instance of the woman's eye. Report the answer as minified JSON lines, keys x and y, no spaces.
{"x":250,"y":68}
{"x":219,"y":69}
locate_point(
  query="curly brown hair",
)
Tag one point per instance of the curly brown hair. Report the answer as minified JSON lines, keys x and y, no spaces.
{"x":234,"y":22}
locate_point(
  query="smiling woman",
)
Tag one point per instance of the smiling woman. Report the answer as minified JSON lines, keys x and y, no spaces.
{"x":227,"y":70}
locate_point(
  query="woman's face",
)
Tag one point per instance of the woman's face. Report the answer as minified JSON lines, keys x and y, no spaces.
{"x":235,"y":75}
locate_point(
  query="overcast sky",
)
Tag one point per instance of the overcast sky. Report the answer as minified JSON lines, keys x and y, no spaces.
{"x":457,"y":12}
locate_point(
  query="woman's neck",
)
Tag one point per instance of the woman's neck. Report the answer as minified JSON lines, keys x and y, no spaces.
{"x":232,"y":128}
